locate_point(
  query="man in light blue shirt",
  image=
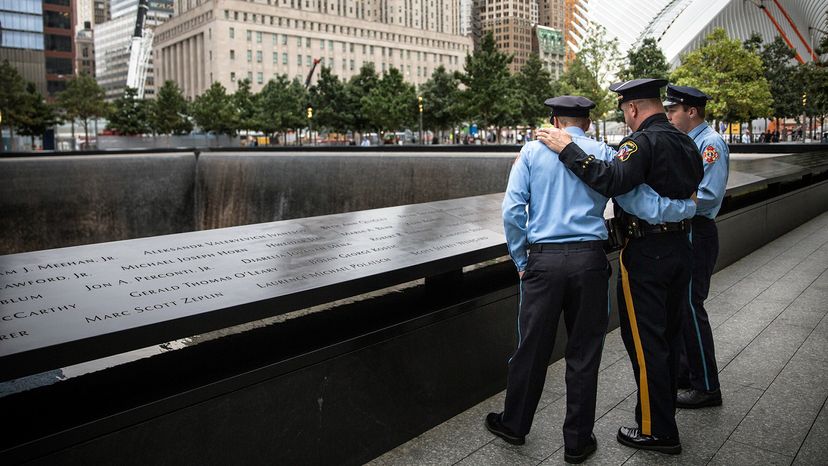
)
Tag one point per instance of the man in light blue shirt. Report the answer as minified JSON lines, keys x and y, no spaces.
{"x":697,"y":370}
{"x":555,"y":232}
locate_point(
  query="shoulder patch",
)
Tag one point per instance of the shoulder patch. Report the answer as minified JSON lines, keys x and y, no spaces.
{"x":710,"y":154}
{"x":626,"y":150}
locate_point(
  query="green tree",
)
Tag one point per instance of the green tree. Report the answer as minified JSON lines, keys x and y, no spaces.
{"x":595,"y":64}
{"x":490,"y":97}
{"x":391,"y":104}
{"x":12,"y":97}
{"x":281,"y":105}
{"x":439,"y":93}
{"x":647,"y":61}
{"x":781,"y":76}
{"x":359,"y":86}
{"x":577,"y":80}
{"x":328,"y":99}
{"x":169,"y":113}
{"x":732,"y":75}
{"x":812,"y":80}
{"x":214,"y":110}
{"x":83,"y":99}
{"x":37,"y":115}
{"x":243,"y":102}
{"x":130,"y":115}
{"x":534,"y":85}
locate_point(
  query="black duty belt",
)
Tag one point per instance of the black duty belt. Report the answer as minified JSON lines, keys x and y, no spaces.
{"x":648,"y":229}
{"x":541,"y":247}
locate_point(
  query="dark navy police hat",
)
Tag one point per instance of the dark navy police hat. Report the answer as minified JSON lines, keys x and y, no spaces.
{"x":570,"y":106}
{"x":685,"y":95}
{"x":645,"y":88}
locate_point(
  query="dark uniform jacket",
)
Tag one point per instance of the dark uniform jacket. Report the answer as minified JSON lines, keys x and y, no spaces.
{"x":657,"y":154}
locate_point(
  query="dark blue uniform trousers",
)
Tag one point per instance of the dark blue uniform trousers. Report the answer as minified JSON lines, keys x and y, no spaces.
{"x":654,"y":280}
{"x":698,"y":359}
{"x":575,"y":282}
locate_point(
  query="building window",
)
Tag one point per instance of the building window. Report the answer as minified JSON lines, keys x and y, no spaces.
{"x":250,"y":76}
{"x":233,"y":76}
{"x":258,"y":37}
{"x":232,"y":33}
{"x":284,"y":58}
{"x":258,"y":56}
{"x":58,"y":65}
{"x":249,"y":56}
{"x":259,"y":77}
{"x":249,"y":35}
{"x":299,"y":41}
{"x":307,"y":42}
{"x":56,"y":19}
{"x":299,"y":60}
{"x":309,"y":60}
{"x":232,"y":54}
{"x":284,"y":39}
{"x":56,"y":43}
{"x":351,"y":65}
{"x":275,"y":57}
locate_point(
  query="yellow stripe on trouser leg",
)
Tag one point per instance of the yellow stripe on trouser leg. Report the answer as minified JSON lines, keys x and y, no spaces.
{"x":643,"y":388}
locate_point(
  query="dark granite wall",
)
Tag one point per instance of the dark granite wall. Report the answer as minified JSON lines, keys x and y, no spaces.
{"x":52,"y":202}
{"x":239,"y":189}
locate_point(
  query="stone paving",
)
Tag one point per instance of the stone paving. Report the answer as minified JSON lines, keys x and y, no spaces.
{"x":768,"y":312}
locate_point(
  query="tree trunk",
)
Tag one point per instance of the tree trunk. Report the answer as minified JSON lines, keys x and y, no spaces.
{"x":85,"y":134}
{"x":11,"y":138}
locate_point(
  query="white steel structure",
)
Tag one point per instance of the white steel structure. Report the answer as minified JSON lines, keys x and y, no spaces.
{"x":680,"y":26}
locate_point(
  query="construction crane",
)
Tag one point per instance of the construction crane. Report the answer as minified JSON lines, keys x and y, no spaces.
{"x":139,"y":52}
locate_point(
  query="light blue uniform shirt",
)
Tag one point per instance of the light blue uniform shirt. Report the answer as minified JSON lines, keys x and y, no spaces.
{"x":716,"y":159}
{"x":562,"y":209}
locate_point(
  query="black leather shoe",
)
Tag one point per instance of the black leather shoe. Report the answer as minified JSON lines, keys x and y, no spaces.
{"x":632,"y":437}
{"x":693,"y":399}
{"x":579,"y":455}
{"x":496,"y":427}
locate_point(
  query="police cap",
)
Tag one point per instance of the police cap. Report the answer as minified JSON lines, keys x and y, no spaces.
{"x":644,"y":88}
{"x":570,"y":106}
{"x":685,"y":95}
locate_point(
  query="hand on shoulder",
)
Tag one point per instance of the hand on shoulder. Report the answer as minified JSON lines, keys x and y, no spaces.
{"x":554,"y":138}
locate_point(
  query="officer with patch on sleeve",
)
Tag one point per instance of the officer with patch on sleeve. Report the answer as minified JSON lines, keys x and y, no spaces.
{"x":655,"y":260}
{"x":698,"y":372}
{"x":555,"y":231}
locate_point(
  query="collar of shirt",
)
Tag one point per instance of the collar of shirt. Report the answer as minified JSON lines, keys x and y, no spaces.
{"x":697,"y":130}
{"x":575,"y":131}
{"x":652,"y":119}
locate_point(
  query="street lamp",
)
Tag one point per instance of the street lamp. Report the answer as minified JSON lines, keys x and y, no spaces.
{"x":420,"y":104}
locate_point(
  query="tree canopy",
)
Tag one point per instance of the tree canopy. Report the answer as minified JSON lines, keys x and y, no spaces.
{"x":732,"y":75}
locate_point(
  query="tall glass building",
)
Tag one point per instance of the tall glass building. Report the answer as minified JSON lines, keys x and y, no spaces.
{"x":21,"y":39}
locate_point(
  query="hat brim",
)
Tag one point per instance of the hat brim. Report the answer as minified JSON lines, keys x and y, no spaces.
{"x":669,"y":103}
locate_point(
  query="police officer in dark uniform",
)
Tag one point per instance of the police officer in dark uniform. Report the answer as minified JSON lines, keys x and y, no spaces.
{"x":697,"y":367}
{"x":655,"y":260}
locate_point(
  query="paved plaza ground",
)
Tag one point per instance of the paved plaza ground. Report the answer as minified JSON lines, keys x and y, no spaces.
{"x":768,"y":312}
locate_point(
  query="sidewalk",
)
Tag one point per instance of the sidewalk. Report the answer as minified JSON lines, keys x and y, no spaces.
{"x":768,"y":315}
